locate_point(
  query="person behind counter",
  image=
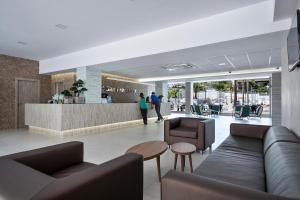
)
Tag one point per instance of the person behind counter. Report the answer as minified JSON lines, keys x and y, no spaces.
{"x":143,"y":108}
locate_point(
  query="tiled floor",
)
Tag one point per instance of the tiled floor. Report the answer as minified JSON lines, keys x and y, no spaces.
{"x":103,"y":147}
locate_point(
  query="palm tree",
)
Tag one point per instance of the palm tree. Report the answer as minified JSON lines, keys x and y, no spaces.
{"x":199,"y":87}
{"x":222,"y":86}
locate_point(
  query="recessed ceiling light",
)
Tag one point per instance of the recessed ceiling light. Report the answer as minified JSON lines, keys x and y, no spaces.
{"x":222,"y":64}
{"x":22,"y":43}
{"x":61,"y":26}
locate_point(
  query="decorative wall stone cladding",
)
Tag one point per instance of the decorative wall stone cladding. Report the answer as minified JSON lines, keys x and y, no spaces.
{"x":92,"y":79}
{"x":188,"y":96}
{"x":161,"y":88}
{"x":10,"y":69}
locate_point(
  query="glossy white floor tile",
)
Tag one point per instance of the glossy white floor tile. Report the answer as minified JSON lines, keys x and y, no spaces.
{"x":100,"y":148}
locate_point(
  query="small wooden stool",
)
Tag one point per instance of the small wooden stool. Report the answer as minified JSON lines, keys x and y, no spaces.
{"x":183,"y":149}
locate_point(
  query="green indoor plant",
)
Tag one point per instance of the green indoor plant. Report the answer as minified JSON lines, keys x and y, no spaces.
{"x":67,"y":96}
{"x":78,"y":89}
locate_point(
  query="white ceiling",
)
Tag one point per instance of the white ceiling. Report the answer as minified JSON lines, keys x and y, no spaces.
{"x":257,"y":52}
{"x":92,"y":22}
{"x":284,"y":9}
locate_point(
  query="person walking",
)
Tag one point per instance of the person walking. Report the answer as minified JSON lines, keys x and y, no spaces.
{"x":143,"y":108}
{"x":155,"y":101}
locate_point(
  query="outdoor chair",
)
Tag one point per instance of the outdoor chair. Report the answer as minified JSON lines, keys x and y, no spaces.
{"x":198,"y":110}
{"x":258,"y":112}
{"x":215,"y":109}
{"x":244,"y":112}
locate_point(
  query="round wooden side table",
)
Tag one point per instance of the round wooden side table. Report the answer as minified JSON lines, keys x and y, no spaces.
{"x":150,"y":150}
{"x":183,"y":149}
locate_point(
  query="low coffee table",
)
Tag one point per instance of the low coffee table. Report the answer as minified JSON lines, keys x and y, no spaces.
{"x":150,"y":150}
{"x":183,"y":149}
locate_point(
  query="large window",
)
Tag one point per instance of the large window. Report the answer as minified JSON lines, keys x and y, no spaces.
{"x":231,"y":93}
{"x":176,"y":96}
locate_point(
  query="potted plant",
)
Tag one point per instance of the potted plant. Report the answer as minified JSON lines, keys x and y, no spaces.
{"x":67,"y":94}
{"x":78,"y":89}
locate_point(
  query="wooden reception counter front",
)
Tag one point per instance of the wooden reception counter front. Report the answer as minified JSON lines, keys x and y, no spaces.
{"x":70,"y":119}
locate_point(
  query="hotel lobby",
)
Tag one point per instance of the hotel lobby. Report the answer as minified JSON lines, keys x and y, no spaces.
{"x":138,"y":100}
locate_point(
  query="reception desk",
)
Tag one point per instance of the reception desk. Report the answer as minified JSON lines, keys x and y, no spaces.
{"x":67,"y":119}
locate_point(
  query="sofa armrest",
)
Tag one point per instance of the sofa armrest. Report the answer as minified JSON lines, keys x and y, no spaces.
{"x":209,"y":132}
{"x":248,"y":130}
{"x":168,"y":125}
{"x":52,"y":158}
{"x":181,"y":186}
{"x":120,"y":178}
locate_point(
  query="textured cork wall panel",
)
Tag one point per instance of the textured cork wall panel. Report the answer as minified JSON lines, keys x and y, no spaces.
{"x":10,"y":69}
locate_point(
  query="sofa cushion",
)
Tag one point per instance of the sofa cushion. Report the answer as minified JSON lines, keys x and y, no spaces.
{"x":190,"y":122}
{"x":242,"y":144}
{"x":282,"y":165}
{"x":236,"y":161}
{"x":278,"y":134}
{"x":18,"y":181}
{"x":184,"y":132}
{"x":73,"y":169}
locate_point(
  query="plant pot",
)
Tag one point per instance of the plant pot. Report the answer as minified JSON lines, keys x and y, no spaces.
{"x":81,"y":99}
{"x":76,"y":100}
{"x":68,"y":100}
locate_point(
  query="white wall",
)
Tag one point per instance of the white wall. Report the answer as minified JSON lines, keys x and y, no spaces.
{"x":290,"y":94}
{"x":240,"y":23}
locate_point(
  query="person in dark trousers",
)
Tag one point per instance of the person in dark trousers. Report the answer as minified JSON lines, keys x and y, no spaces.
{"x":143,"y":108}
{"x":155,"y":101}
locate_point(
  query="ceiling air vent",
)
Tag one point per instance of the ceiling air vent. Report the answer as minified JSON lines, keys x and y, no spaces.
{"x":178,"y":67}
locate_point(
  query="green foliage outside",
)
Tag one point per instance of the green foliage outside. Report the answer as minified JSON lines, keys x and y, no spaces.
{"x":258,"y":88}
{"x":198,"y":87}
{"x":174,"y":91}
{"x":222,"y":86}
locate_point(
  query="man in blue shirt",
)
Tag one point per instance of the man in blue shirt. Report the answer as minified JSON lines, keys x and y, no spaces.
{"x":156,"y":102}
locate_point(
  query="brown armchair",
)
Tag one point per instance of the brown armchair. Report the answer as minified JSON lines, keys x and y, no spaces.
{"x":59,"y":172}
{"x":197,"y":131}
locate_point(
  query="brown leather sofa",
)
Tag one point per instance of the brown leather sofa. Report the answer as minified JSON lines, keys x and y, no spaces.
{"x":59,"y":172}
{"x":254,"y":162}
{"x":197,"y":131}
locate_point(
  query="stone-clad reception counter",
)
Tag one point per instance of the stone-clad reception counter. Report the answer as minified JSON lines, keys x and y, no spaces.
{"x":69,"y":119}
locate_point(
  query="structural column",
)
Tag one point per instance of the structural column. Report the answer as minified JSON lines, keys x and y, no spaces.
{"x":275,"y":99}
{"x":161,"y":88}
{"x":93,"y":82}
{"x":188,"y":96}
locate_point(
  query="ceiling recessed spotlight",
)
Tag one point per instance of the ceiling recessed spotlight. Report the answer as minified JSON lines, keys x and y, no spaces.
{"x":222,"y":64}
{"x":22,"y":43}
{"x":61,"y":26}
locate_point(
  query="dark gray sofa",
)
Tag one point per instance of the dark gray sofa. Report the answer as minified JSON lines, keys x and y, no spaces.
{"x":254,"y":162}
{"x":59,"y":172}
